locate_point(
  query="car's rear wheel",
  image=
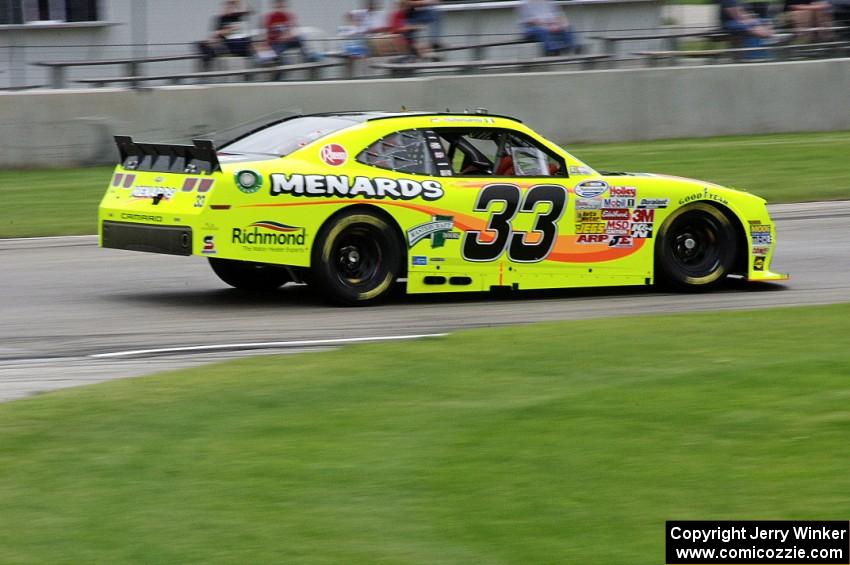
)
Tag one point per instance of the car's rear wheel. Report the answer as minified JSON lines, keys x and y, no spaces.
{"x":695,"y":248}
{"x":356,"y":258}
{"x":247,"y":275}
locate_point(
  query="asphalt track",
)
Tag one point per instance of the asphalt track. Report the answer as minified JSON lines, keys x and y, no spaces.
{"x":75,"y":314}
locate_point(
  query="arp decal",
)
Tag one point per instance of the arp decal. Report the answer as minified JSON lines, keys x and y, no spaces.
{"x":333,"y":154}
{"x":317,"y":186}
{"x":590,"y":188}
{"x":592,"y":238}
{"x":438,"y":230}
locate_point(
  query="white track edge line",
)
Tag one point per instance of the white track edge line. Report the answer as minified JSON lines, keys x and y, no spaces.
{"x":261,"y":345}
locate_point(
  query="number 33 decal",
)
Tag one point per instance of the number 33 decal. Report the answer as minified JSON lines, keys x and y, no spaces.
{"x":519,"y":249}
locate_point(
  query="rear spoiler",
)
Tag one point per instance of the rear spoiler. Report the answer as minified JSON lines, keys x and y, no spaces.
{"x":164,"y":158}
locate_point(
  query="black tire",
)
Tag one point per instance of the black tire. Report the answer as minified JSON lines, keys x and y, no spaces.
{"x":695,"y":248}
{"x":356,"y":258}
{"x":246,"y":275}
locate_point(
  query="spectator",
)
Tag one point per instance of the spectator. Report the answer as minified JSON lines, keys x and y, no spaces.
{"x":543,"y":22}
{"x":405,"y":31}
{"x":741,"y":24}
{"x":425,"y":13}
{"x":353,"y":38}
{"x":806,"y":14}
{"x":281,"y":33}
{"x":228,"y":36}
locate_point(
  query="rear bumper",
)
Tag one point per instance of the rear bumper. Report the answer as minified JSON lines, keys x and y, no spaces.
{"x":170,"y":240}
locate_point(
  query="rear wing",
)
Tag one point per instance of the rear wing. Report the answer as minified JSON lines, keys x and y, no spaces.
{"x":193,"y":159}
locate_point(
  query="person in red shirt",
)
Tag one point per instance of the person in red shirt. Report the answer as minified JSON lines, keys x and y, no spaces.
{"x":401,"y":26}
{"x":281,"y":31}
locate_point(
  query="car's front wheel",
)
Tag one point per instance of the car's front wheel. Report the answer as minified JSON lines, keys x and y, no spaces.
{"x":356,"y":258}
{"x":695,"y":248}
{"x":247,"y":275}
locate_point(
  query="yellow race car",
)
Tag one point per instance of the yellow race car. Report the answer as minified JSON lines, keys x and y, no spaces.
{"x":353,"y":202}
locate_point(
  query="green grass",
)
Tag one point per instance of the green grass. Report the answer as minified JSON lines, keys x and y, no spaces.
{"x":781,"y":168}
{"x":558,"y":443}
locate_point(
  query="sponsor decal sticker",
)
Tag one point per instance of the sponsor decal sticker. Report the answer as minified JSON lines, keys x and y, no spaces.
{"x":315,"y":186}
{"x":618,"y":203}
{"x":615,"y":214}
{"x":419,"y":260}
{"x":593,"y":238}
{"x":617,"y":227}
{"x":589,"y":215}
{"x":760,"y":234}
{"x":590,"y":228}
{"x":643,"y":231}
{"x":643,"y":216}
{"x":333,"y":154}
{"x":575,"y":170}
{"x":270,"y":235}
{"x":439,"y":229}
{"x":248,"y":181}
{"x":622,"y":191}
{"x":588,"y":204}
{"x":761,"y":250}
{"x":209,"y":245}
{"x":157,"y":193}
{"x":704,"y":195}
{"x":590,"y":188}
{"x":758,"y":263}
{"x":653,"y":203}
{"x":620,"y":241}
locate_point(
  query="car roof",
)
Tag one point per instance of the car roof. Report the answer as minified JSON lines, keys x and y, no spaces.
{"x":369,"y":116}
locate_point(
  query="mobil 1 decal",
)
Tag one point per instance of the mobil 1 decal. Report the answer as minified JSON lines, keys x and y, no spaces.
{"x":546,"y":201}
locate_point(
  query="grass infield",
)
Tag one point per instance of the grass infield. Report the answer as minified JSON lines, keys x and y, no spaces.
{"x":780,"y":168}
{"x":557,"y":443}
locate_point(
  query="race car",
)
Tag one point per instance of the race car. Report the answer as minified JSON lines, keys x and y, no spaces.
{"x":354,"y":202}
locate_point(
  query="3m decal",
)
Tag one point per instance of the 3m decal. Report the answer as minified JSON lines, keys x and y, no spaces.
{"x":591,"y":188}
{"x":518,"y":247}
{"x":439,"y":229}
{"x":313,"y":186}
{"x":643,"y":216}
{"x":333,"y":154}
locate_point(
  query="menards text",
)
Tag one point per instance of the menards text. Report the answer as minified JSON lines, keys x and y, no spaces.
{"x":352,"y":187}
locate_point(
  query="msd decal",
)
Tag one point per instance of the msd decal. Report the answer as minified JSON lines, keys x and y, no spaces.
{"x":618,"y":227}
{"x":333,"y":154}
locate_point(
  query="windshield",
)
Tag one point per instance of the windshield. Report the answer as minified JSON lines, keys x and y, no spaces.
{"x":284,"y":138}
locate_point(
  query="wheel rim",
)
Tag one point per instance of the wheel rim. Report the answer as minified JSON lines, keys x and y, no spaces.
{"x":695,"y":244}
{"x":357,"y":257}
